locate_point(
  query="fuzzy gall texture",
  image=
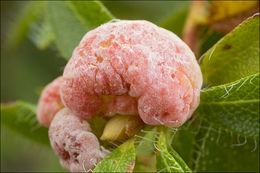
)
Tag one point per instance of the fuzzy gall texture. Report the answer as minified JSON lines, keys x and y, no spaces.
{"x":135,"y":58}
{"x":75,"y":144}
{"x":50,"y":102}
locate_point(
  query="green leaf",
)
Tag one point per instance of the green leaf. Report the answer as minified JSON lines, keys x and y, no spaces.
{"x":217,"y":150}
{"x":183,"y":140}
{"x":235,"y":56}
{"x":233,"y":107}
{"x":70,"y":20}
{"x":167,"y":162}
{"x":208,"y":38}
{"x":145,"y":155}
{"x":227,"y":120}
{"x":93,"y":13}
{"x":66,"y":25}
{"x":228,"y":127}
{"x":146,"y":143}
{"x":21,"y":117}
{"x":153,"y":11}
{"x":21,"y":26}
{"x":122,"y":159}
{"x":178,"y":158}
{"x":41,"y":33}
{"x":176,"y":21}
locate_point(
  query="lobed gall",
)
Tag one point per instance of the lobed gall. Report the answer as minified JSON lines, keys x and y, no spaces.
{"x":75,"y":144}
{"x":50,"y":102}
{"x":153,"y":69}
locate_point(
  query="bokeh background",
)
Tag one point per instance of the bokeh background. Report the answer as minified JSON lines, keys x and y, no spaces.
{"x":25,"y":70}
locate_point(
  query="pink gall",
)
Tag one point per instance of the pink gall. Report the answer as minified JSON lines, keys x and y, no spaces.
{"x":138,"y":59}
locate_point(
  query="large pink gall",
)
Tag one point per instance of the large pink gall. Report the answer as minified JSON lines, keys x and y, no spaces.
{"x":138,"y":59}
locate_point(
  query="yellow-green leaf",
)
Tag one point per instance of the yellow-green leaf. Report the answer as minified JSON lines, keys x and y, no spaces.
{"x":235,"y":56}
{"x":122,"y":159}
{"x":168,"y":161}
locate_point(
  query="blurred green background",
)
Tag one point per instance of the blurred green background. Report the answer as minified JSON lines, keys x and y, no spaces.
{"x":25,"y":70}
